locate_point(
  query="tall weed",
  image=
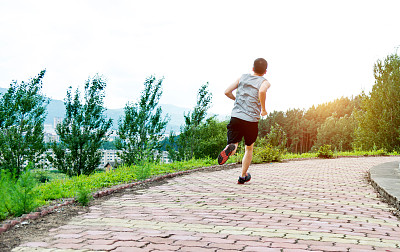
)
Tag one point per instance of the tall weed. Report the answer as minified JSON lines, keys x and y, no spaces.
{"x":17,"y":196}
{"x":83,"y":195}
{"x":143,"y":170}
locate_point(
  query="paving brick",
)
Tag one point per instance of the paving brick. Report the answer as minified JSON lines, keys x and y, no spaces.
{"x":131,"y":244}
{"x":283,"y":245}
{"x":191,"y":243}
{"x":131,"y":249}
{"x":244,"y":237}
{"x":163,"y":247}
{"x":327,"y":248}
{"x":197,"y":249}
{"x":126,"y":236}
{"x":100,"y":247}
{"x":226,"y":246}
{"x":262,"y":249}
{"x":218,"y":240}
{"x":67,"y":246}
{"x":185,"y":237}
{"x":254,"y":243}
{"x":100,"y":242}
{"x":72,"y":240}
{"x":157,"y":240}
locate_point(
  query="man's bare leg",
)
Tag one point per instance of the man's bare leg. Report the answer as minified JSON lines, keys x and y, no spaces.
{"x":246,"y":161}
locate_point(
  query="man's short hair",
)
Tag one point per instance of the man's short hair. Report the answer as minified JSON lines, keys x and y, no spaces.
{"x":260,"y":65}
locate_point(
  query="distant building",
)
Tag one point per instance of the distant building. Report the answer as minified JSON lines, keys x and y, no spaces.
{"x":110,"y":156}
{"x":164,"y":159}
{"x":113,"y":135}
{"x":57,"y":120}
{"x":51,"y":137}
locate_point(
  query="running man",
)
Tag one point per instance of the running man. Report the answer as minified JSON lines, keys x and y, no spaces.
{"x":249,"y":105}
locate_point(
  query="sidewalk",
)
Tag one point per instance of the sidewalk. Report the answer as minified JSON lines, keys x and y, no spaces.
{"x":311,"y":205}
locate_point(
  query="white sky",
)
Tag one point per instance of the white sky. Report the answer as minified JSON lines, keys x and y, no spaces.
{"x":317,"y":50}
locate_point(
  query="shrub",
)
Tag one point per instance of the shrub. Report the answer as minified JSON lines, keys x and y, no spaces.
{"x":325,"y":151}
{"x":267,"y":154}
{"x":263,"y":154}
{"x":41,"y":176}
{"x":381,"y":152}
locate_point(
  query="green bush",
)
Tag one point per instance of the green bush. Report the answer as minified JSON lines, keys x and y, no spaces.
{"x":381,"y":152}
{"x":325,"y":151}
{"x":267,"y":154}
{"x":302,"y":155}
{"x":41,"y":176}
{"x":262,"y":154}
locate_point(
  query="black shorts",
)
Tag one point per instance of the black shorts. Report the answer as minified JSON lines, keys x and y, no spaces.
{"x":238,"y":128}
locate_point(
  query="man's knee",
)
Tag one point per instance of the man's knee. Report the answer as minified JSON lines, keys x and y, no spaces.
{"x":249,"y":147}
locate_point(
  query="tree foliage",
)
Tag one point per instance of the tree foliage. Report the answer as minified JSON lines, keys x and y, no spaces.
{"x":22,"y":114}
{"x":337,"y":133}
{"x":143,"y":126}
{"x":190,"y":135}
{"x":211,"y":138}
{"x":82,"y":131}
{"x":303,"y":126}
{"x":379,"y":116}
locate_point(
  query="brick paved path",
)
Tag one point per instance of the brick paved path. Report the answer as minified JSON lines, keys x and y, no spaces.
{"x":312,"y":205}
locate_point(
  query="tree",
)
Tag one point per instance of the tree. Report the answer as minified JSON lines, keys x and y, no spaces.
{"x":82,"y":131}
{"x":141,"y":129}
{"x":189,"y":137}
{"x":211,"y":138}
{"x":22,"y":114}
{"x":264,"y":125}
{"x":337,"y":132}
{"x":379,"y":115}
{"x":277,"y":137}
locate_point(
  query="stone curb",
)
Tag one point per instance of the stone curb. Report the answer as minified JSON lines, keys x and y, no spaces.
{"x":385,"y":178}
{"x":34,"y":215}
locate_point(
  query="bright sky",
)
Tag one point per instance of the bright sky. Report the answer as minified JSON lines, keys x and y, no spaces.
{"x":317,"y":50}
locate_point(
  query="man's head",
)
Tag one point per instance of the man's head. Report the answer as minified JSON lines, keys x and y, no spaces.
{"x":260,"y":66}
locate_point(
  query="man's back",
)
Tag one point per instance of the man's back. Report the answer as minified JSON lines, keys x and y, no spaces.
{"x":247,"y":104}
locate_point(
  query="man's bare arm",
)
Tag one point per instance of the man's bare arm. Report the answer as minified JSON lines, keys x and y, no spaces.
{"x":231,"y":88}
{"x":262,"y":94}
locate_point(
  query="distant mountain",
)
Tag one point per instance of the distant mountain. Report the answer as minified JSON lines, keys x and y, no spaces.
{"x":56,"y":109}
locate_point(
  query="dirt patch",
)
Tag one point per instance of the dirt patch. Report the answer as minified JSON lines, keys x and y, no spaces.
{"x":37,"y":229}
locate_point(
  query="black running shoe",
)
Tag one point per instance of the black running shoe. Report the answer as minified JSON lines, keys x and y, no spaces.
{"x":242,"y":180}
{"x":224,"y":155}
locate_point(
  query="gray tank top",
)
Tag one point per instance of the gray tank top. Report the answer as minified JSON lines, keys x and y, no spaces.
{"x":247,"y":104}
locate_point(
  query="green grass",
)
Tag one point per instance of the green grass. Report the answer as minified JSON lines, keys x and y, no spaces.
{"x":342,"y":154}
{"x":303,"y":155}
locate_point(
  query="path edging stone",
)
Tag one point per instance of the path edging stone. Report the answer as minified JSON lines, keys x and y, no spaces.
{"x":385,"y":178}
